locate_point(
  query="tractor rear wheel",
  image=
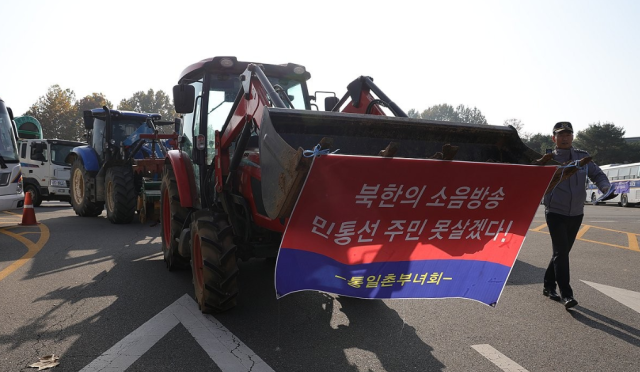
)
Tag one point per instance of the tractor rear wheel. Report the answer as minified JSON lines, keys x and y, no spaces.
{"x":80,"y":200}
{"x":213,"y":263}
{"x":172,"y":220}
{"x":120,"y":195}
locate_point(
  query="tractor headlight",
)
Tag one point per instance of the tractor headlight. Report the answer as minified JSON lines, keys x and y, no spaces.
{"x":59,"y":183}
{"x":226,"y":62}
{"x":299,"y":70}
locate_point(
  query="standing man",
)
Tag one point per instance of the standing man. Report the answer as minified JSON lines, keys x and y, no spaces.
{"x":564,"y":209}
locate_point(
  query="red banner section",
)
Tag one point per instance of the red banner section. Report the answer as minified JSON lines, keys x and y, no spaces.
{"x":409,"y":221}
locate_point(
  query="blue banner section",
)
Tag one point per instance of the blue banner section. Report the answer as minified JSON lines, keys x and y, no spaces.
{"x":621,"y":187}
{"x":476,"y":280}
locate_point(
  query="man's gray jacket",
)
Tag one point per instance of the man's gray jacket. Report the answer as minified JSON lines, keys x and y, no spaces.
{"x":569,"y":196}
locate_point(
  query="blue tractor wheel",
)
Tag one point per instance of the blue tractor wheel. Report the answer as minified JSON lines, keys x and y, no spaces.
{"x":80,"y":191}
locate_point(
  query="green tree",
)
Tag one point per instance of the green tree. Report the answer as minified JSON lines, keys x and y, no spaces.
{"x":89,"y":102}
{"x":604,"y":141}
{"x":413,"y":113}
{"x":57,"y":113}
{"x":442,"y":112}
{"x":446,"y":112}
{"x":150,"y":102}
{"x":539,"y":142}
{"x":634,"y":152}
{"x":470,"y":115}
{"x":92,"y":101}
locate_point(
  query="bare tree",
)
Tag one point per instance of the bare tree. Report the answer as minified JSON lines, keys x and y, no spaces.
{"x":516,"y":123}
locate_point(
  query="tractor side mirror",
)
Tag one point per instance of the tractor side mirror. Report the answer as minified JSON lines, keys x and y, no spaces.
{"x":88,"y":119}
{"x":184,"y":97}
{"x":330,"y":103}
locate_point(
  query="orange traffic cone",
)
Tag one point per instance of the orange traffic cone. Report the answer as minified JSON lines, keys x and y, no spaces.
{"x":28,"y":214}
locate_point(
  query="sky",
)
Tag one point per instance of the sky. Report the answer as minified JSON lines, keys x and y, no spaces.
{"x":537,"y":61}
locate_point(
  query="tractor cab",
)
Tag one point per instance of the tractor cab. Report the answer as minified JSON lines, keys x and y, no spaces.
{"x":116,"y":131}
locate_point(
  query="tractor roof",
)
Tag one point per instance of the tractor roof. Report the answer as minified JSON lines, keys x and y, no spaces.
{"x":231,"y":65}
{"x":101,"y":113}
{"x":54,"y":141}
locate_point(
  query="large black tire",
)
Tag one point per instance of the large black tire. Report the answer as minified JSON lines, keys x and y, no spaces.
{"x":120,"y":195}
{"x":213,"y":263}
{"x":172,"y":220}
{"x":82,"y":204}
{"x":36,"y":198}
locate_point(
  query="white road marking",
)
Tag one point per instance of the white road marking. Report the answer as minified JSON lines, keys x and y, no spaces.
{"x":228,"y":352}
{"x":624,"y":296}
{"x":499,"y":359}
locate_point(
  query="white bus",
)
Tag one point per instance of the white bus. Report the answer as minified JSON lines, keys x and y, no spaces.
{"x":625,"y":178}
{"x":11,"y":195}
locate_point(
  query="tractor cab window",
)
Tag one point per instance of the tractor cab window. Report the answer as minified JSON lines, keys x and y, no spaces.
{"x":121,"y":130}
{"x":97,"y":136}
{"x":290,"y":92}
{"x":222,"y":93}
{"x":223,"y":90}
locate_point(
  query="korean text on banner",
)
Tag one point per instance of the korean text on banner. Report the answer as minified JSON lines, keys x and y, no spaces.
{"x":374,"y":227}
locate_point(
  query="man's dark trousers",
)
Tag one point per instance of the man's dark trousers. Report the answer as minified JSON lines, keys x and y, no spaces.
{"x":563,"y":231}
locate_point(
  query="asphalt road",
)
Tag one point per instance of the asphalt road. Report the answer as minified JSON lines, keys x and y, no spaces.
{"x":99,"y":296}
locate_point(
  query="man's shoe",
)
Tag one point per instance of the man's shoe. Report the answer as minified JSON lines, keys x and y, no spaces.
{"x":551,"y":293}
{"x":569,"y":302}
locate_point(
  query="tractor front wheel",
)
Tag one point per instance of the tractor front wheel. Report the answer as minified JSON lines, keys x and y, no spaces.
{"x":172,"y":220}
{"x":80,"y":191}
{"x":120,"y":195}
{"x":213,"y":263}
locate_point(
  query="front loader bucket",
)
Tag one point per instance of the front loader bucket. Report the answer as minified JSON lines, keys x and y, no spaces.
{"x":285,"y":134}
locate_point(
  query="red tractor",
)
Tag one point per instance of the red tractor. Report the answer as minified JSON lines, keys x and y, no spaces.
{"x":229,"y":190}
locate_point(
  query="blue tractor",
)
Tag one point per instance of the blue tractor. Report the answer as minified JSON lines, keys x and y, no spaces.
{"x":121,"y":167}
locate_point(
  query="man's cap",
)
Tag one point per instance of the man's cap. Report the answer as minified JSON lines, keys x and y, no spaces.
{"x":563,"y":125}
